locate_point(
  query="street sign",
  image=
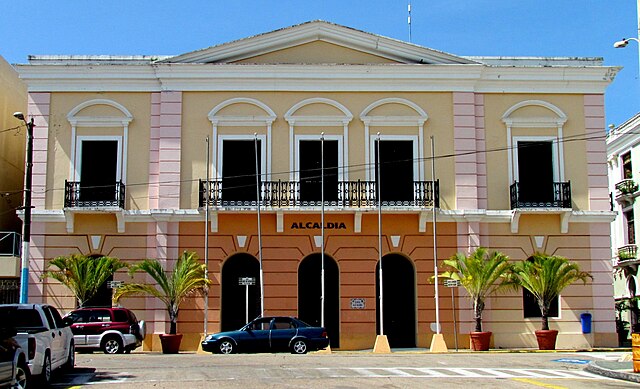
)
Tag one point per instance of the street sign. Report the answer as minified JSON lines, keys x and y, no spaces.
{"x":449,"y":283}
{"x":358,"y":303}
{"x":246,"y":281}
{"x":114,"y":284}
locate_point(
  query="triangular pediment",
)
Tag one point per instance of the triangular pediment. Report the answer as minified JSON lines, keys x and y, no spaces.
{"x":318,"y":42}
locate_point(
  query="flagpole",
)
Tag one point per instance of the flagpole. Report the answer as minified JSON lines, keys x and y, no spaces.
{"x":378,"y":160}
{"x":435,"y":242}
{"x":258,"y":176}
{"x":322,"y":286}
{"x":206,"y":242}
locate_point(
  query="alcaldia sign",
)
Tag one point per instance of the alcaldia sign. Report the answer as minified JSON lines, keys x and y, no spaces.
{"x":317,"y":226}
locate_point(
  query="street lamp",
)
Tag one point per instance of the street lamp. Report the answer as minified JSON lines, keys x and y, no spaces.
{"x":624,"y":42}
{"x":26,"y":224}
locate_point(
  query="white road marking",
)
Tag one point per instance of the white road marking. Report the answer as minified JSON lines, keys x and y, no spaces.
{"x":454,"y":372}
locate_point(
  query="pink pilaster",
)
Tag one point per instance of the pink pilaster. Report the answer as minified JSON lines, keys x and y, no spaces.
{"x":596,"y":153}
{"x":165,"y":152}
{"x":38,"y":106}
{"x":470,"y":163}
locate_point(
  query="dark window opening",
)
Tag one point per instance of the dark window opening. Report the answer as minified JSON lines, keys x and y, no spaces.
{"x":395,"y":161}
{"x":98,"y":170}
{"x":310,"y":170}
{"x":535,"y":172}
{"x":627,"y":168}
{"x":531,"y":308}
{"x":239,"y":170}
{"x":631,"y":228}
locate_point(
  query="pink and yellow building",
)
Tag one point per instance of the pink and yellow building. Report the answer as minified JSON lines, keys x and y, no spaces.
{"x":122,"y":145}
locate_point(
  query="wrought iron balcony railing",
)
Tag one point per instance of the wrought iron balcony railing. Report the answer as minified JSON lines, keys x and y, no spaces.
{"x":10,"y":244}
{"x":77,"y":195}
{"x":626,"y":187}
{"x":627,"y":253}
{"x":351,"y":194}
{"x":557,"y":197}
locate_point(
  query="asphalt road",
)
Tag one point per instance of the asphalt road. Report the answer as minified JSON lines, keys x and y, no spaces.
{"x":342,"y":370}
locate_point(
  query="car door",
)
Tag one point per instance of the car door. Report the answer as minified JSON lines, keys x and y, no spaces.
{"x":58,"y":351}
{"x":283,"y":329}
{"x":79,"y":320}
{"x":6,"y":357}
{"x":255,"y":337}
{"x":99,"y":322}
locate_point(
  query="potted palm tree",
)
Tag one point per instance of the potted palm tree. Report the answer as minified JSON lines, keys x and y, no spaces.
{"x":83,"y":275}
{"x":545,"y":277}
{"x":481,"y":273}
{"x":172,"y":288}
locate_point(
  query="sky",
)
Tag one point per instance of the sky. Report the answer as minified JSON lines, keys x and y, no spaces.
{"x":546,"y":28}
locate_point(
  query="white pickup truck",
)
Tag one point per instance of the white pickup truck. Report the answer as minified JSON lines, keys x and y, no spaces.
{"x":45,"y":336}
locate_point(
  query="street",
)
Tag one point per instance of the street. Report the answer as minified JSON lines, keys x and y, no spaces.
{"x":338,"y":370}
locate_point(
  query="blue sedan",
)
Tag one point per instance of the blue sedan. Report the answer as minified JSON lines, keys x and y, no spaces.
{"x":269,"y":334}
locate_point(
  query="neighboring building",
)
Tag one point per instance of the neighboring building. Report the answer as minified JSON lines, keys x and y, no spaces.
{"x":623,"y":153}
{"x":13,"y":98}
{"x":121,"y":156}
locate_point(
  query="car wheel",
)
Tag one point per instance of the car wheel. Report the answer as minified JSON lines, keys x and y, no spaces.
{"x":112,"y":345}
{"x":226,"y":346}
{"x":71,"y":358}
{"x":299,"y":346}
{"x":45,"y":376}
{"x":23,"y":376}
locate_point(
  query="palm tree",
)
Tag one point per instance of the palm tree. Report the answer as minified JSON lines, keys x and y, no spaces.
{"x":172,"y":288}
{"x":545,"y":277}
{"x":479,"y":274}
{"x":83,"y":275}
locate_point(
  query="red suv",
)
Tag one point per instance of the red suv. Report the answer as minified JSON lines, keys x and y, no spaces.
{"x":112,"y":330}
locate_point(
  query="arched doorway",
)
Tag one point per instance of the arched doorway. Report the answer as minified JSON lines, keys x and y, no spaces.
{"x":234,"y":306}
{"x":310,"y":290}
{"x":399,"y":295}
{"x":102,"y":298}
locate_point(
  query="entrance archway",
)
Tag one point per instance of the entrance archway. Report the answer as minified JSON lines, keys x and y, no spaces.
{"x":234,"y":303}
{"x":310,"y":291}
{"x":399,"y":295}
{"x":103,"y":295}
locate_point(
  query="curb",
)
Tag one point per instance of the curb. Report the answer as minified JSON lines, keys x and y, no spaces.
{"x":593,"y":367}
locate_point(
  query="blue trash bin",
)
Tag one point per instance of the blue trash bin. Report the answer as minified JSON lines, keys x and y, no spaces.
{"x":585,"y":320}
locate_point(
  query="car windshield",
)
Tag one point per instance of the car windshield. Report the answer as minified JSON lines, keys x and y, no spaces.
{"x":20,"y":318}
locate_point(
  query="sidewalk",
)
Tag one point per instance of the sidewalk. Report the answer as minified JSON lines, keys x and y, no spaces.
{"x":614,"y":369}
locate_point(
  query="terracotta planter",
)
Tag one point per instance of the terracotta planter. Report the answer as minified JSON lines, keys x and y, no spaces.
{"x":170,"y":343}
{"x":547,"y":339}
{"x":480,"y":341}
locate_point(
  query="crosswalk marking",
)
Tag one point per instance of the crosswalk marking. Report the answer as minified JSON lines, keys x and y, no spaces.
{"x":453,"y":372}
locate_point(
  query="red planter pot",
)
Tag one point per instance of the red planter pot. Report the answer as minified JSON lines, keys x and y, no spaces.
{"x":480,"y":341}
{"x":170,"y":343}
{"x":547,"y":339}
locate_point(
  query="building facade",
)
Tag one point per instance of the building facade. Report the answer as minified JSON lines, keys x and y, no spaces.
{"x":622,"y":152}
{"x":13,"y":98}
{"x":132,"y":151}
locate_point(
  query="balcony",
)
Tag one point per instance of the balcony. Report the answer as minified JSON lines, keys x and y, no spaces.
{"x":351,"y":194}
{"x":10,"y":244}
{"x":78,"y":196}
{"x":627,"y":255}
{"x":558,"y":197}
{"x":625,"y":192}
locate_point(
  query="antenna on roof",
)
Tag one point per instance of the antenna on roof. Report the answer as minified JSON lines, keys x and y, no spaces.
{"x":409,"y":19}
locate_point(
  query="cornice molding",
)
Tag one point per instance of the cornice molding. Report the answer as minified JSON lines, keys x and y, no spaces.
{"x":396,"y":78}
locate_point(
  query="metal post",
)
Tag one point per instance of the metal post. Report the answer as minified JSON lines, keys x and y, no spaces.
{"x":26,"y":225}
{"x":246,"y":299}
{"x":455,"y":325}
{"x":435,"y":243}
{"x":322,"y":287}
{"x":378,"y":161}
{"x":258,"y":176}
{"x":206,"y":242}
